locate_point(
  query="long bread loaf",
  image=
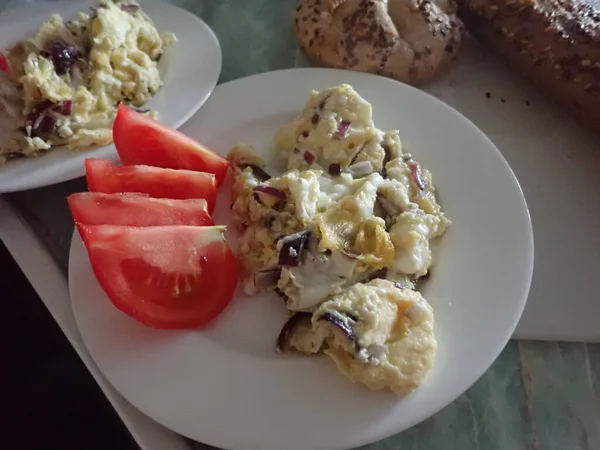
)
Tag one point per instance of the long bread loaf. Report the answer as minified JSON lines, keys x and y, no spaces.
{"x":553,"y":43}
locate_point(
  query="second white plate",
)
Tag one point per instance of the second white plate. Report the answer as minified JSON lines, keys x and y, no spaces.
{"x":225,"y":385}
{"x":190,"y":70}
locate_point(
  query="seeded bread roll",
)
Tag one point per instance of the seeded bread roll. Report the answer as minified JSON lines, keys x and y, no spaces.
{"x":409,"y":40}
{"x":554,"y":43}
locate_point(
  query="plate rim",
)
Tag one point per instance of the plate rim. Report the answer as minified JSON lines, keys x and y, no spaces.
{"x":528,"y":234}
{"x":108,"y":151}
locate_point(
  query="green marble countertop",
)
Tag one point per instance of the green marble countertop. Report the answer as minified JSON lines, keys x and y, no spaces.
{"x":536,"y":396}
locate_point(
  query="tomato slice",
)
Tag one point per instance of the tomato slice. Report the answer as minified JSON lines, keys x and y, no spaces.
{"x":3,"y":63}
{"x":102,"y":176}
{"x":137,"y":210}
{"x":166,"y":277}
{"x":142,"y":140}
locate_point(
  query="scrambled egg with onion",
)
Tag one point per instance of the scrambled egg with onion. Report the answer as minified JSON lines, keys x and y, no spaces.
{"x":344,"y":235}
{"x":64,"y":84}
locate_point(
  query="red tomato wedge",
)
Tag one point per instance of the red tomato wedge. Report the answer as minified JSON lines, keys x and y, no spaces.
{"x":142,"y":140}
{"x":102,"y":176}
{"x":171,"y":277}
{"x":3,"y":63}
{"x":137,"y":210}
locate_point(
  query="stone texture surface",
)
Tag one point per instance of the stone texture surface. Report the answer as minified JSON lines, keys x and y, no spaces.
{"x":536,"y":396}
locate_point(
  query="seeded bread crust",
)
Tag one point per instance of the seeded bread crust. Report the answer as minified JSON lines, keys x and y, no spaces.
{"x":409,"y":40}
{"x":553,"y":43}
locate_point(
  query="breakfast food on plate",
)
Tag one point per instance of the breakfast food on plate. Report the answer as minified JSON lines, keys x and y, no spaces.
{"x":143,"y":140}
{"x":343,"y":236}
{"x":409,"y":40}
{"x":152,"y":244}
{"x":555,"y":44}
{"x":377,"y":334}
{"x":167,"y":277}
{"x":137,"y":210}
{"x":63,"y":85}
{"x":103,"y":176}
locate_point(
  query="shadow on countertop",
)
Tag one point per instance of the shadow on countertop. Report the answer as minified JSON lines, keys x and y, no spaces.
{"x":49,"y":399}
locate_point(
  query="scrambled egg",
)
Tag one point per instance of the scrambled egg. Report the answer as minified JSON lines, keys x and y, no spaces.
{"x":378,"y":335}
{"x":65,"y":83}
{"x":343,"y":235}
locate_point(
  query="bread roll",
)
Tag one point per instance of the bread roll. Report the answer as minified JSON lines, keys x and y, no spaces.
{"x":409,"y":40}
{"x":553,"y":43}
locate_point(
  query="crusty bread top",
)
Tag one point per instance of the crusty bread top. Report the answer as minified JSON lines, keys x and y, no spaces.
{"x":558,"y":40}
{"x":575,"y":22}
{"x":410,"y":40}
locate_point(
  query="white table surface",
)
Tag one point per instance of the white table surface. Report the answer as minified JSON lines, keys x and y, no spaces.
{"x":557,"y":163}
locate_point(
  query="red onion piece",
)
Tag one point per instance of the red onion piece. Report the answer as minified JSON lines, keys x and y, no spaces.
{"x":129,"y":7}
{"x":415,"y":170}
{"x":274,"y":192}
{"x":35,"y":117}
{"x":322,"y":104}
{"x":386,"y":159}
{"x":43,"y":106}
{"x":63,"y":57}
{"x":388,"y":207}
{"x":381,"y":273}
{"x":64,"y":108}
{"x":341,"y":323}
{"x":292,"y":250}
{"x":287,"y":332}
{"x":46,"y":125}
{"x":309,"y":157}
{"x":40,"y":121}
{"x":361,"y":169}
{"x":335,"y":169}
{"x":342,"y":129}
{"x":257,"y":171}
{"x":264,"y":279}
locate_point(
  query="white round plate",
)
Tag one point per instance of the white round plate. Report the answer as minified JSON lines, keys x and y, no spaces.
{"x":225,"y":385}
{"x":189,"y":68}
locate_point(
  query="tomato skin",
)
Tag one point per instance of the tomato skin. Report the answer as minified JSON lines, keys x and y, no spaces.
{"x":128,"y":261}
{"x":137,"y":210}
{"x":3,"y":63}
{"x":140,"y":139}
{"x":157,"y":182}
